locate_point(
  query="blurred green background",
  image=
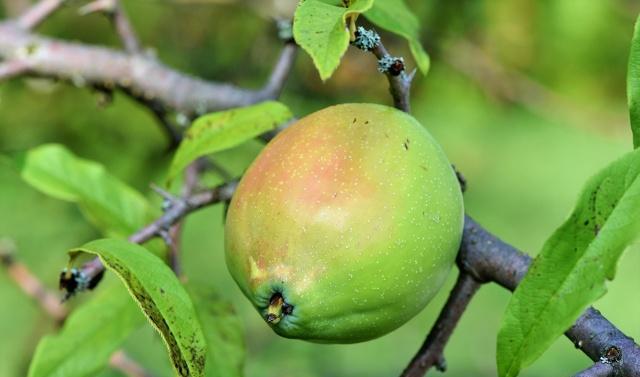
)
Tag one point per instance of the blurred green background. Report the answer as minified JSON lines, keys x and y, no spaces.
{"x":527,"y":97}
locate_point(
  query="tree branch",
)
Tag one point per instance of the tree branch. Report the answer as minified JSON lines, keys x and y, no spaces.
{"x":30,"y":284}
{"x":39,"y":12}
{"x":508,"y":85}
{"x":50,"y":304}
{"x":13,"y":8}
{"x":431,"y":352}
{"x":12,"y":68}
{"x":119,"y":360}
{"x":399,"y":83}
{"x":392,"y":67}
{"x":482,"y":257}
{"x":191,"y":182}
{"x":113,"y":9}
{"x":141,"y":76}
{"x":488,"y":258}
{"x":176,"y":209}
{"x":597,"y":370}
{"x":280,"y":72}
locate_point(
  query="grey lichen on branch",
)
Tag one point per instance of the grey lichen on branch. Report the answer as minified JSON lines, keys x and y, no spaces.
{"x":393,"y":67}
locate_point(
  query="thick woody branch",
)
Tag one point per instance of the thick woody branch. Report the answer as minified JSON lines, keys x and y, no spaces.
{"x":489,"y":259}
{"x":140,"y":75}
{"x":12,"y":68}
{"x":597,"y":370}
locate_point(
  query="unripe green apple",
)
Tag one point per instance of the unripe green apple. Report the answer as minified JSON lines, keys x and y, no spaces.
{"x":346,"y":224}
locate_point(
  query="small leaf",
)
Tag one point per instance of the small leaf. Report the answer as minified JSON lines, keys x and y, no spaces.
{"x":633,"y":84}
{"x":89,"y":336}
{"x":226,"y":129}
{"x":160,"y":296}
{"x":570,"y":271}
{"x":107,"y":202}
{"x":319,"y":27}
{"x":223,"y":332}
{"x":396,"y":17}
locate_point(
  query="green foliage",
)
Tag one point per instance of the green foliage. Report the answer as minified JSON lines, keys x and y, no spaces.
{"x":396,"y":17}
{"x":319,"y":27}
{"x":89,"y":337}
{"x":496,"y":144}
{"x":633,"y":84}
{"x":570,"y":272}
{"x":111,"y":205}
{"x":222,"y":330}
{"x":226,"y":129}
{"x":161,"y":297}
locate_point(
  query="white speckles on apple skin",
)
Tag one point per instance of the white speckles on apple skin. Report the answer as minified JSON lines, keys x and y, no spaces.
{"x":356,"y":213}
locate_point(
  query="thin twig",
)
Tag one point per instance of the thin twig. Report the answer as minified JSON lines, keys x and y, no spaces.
{"x":269,"y":135}
{"x":39,"y":12}
{"x":114,"y":10}
{"x":119,"y":360}
{"x":191,"y":182}
{"x":280,"y":71}
{"x":430,"y":353}
{"x":52,"y":306}
{"x":30,"y":284}
{"x":161,"y":114}
{"x":124,"y":29}
{"x":393,"y":67}
{"x":508,"y":85}
{"x":399,"y":84}
{"x":182,"y":207}
{"x":177,"y":209}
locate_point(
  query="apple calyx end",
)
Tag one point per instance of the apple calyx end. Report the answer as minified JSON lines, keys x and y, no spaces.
{"x":277,"y":309}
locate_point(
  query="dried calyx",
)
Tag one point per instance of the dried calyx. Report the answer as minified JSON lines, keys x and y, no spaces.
{"x":278,"y":308}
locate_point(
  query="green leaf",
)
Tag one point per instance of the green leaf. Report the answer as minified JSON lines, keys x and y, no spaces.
{"x":223,"y":332}
{"x":89,"y":336}
{"x":111,"y":205}
{"x":160,"y":296}
{"x":319,"y":27}
{"x":226,"y":129}
{"x":570,"y":271}
{"x":633,"y":84}
{"x":396,"y":17}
